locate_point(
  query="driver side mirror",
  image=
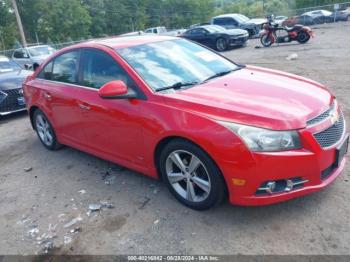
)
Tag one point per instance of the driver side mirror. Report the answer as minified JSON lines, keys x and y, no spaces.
{"x":116,"y":89}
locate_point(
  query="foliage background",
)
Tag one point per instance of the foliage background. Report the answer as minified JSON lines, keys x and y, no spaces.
{"x":53,"y":21}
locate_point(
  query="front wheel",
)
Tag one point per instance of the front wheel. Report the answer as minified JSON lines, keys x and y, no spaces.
{"x":191,"y":175}
{"x":266,"y":40}
{"x":221,"y":44}
{"x":45,"y":131}
{"x":303,"y":37}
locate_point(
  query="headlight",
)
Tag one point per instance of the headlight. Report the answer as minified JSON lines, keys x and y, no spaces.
{"x":259,"y":139}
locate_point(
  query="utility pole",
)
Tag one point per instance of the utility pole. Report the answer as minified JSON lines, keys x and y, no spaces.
{"x":19,"y":23}
{"x":263,"y":6}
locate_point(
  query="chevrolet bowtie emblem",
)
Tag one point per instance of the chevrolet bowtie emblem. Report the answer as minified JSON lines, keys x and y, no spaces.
{"x":334,"y":115}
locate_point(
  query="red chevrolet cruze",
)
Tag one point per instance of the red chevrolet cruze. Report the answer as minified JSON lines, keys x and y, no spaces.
{"x":174,"y":110}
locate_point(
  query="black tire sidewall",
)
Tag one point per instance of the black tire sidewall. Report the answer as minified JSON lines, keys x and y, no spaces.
{"x":218,"y":188}
{"x":307,"y":37}
{"x":55,"y":145}
{"x":262,"y":41}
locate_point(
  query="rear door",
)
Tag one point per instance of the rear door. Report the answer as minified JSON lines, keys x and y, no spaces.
{"x":60,"y":94}
{"x":113,"y":127}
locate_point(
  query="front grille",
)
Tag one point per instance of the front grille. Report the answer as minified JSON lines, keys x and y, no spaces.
{"x":332,"y":135}
{"x":10,"y":103}
{"x":321,"y":116}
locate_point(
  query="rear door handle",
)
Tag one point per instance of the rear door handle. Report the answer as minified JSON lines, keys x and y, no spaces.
{"x":84,"y":106}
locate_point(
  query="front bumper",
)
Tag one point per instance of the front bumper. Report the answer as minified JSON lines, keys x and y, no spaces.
{"x":13,"y":102}
{"x":318,"y":166}
{"x":302,"y":165}
{"x":238,"y":41}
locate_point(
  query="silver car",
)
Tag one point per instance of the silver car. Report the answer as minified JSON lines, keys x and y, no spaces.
{"x":32,"y":56}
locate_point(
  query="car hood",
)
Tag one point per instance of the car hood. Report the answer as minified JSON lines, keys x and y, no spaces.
{"x":256,"y":21}
{"x":236,"y":31}
{"x":14,"y":79}
{"x":256,"y":96}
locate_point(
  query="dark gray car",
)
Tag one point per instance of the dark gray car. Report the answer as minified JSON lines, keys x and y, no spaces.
{"x":217,"y":37}
{"x":11,"y":92}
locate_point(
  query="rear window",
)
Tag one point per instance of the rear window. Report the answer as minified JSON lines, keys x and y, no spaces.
{"x":225,"y":21}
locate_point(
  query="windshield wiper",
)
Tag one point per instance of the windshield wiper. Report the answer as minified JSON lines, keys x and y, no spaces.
{"x":177,"y":85}
{"x":219,"y":74}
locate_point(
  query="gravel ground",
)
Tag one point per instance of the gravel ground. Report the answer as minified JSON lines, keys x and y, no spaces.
{"x":36,"y":204}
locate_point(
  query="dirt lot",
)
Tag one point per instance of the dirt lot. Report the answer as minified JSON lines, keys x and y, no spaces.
{"x":146,"y":219}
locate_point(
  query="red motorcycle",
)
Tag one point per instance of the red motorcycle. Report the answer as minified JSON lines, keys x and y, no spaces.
{"x":275,"y":33}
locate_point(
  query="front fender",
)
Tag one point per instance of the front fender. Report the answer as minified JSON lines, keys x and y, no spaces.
{"x":167,"y":121}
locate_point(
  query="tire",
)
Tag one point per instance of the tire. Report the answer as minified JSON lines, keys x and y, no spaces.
{"x":199,"y":187}
{"x":220,"y":44}
{"x":265,"y":40}
{"x":303,"y":37}
{"x":45,"y":131}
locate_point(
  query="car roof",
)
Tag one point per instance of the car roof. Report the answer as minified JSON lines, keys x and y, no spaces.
{"x":126,"y":41}
{"x":226,"y":15}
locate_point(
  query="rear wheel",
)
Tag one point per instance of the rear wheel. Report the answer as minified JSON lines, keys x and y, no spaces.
{"x":45,"y":131}
{"x":303,"y":37}
{"x":266,"y":40}
{"x":221,"y":44}
{"x":191,"y":175}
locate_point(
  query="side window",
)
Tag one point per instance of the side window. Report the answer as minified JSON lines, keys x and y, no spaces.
{"x":234,"y":22}
{"x":198,"y":31}
{"x":18,"y":53}
{"x":46,"y":72}
{"x":65,"y":67}
{"x":100,"y":68}
{"x":219,"y":21}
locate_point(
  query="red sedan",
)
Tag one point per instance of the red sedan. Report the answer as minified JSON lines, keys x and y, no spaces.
{"x":209,"y":128}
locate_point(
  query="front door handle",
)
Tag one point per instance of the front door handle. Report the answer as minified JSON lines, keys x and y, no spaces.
{"x":84,"y":106}
{"x":47,"y":96}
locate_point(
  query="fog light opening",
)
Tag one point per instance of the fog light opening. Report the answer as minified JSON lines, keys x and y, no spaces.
{"x":281,"y":186}
{"x":270,"y":187}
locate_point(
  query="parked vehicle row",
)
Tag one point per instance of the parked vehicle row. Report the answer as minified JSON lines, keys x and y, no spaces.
{"x":319,"y":17}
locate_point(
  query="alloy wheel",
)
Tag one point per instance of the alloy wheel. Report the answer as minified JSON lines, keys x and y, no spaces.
{"x":188,"y":176}
{"x":44,"y":130}
{"x":221,"y":44}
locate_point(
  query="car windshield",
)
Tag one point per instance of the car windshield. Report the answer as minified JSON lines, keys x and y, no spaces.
{"x":325,"y":12}
{"x":8,"y":66}
{"x":241,"y":18}
{"x":167,"y":63}
{"x":40,"y":50}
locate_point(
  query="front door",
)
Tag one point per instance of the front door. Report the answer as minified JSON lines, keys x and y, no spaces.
{"x":112,"y":126}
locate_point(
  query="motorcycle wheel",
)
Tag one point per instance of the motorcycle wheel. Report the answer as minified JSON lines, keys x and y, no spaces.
{"x":303,"y":37}
{"x":266,"y":40}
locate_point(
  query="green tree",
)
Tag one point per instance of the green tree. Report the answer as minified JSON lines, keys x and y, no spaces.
{"x":8,"y":29}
